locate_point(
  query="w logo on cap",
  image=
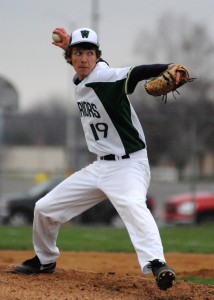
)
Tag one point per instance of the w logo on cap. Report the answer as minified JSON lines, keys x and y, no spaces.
{"x":84,"y":33}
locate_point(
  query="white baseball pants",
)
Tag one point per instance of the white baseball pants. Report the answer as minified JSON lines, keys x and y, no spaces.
{"x":124,"y":182}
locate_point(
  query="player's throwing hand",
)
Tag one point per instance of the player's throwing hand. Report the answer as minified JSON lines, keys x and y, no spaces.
{"x":63,"y":42}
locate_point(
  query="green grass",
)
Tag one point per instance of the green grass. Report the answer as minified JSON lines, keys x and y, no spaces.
{"x":70,"y":239}
{"x":186,"y":239}
{"x":175,"y":239}
{"x":15,"y":238}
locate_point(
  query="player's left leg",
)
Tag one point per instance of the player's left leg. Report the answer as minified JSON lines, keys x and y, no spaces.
{"x":131,"y":178}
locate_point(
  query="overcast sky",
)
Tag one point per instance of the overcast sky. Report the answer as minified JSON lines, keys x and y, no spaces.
{"x":38,"y":70}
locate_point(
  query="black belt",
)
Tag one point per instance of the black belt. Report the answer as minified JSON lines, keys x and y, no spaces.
{"x":114,"y":157}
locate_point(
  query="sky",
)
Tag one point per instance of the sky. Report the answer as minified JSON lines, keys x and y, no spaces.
{"x":38,"y":70}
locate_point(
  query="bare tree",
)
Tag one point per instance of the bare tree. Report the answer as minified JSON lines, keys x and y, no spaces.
{"x":177,"y":40}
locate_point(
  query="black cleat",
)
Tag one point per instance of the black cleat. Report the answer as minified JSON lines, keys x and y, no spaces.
{"x":164,"y":275}
{"x":33,"y":266}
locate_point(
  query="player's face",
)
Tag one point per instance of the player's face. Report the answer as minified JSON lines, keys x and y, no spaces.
{"x":83,"y":61}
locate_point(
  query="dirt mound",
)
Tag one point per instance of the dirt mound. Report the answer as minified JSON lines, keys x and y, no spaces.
{"x":103,"y":276}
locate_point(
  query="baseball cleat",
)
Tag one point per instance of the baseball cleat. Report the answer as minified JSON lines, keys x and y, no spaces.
{"x":164,"y":275}
{"x":33,"y":266}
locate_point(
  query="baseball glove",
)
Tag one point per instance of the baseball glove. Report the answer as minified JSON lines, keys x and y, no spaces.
{"x":165,"y":82}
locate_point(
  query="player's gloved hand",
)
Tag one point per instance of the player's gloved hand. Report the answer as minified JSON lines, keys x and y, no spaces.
{"x":178,"y":74}
{"x":168,"y":81}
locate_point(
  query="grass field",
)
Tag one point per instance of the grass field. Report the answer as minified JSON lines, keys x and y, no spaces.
{"x":175,"y":239}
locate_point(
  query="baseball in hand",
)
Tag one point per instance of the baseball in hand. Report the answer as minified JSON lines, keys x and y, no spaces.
{"x":56,"y":37}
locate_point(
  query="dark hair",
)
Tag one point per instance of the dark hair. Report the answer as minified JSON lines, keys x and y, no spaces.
{"x":81,"y":46}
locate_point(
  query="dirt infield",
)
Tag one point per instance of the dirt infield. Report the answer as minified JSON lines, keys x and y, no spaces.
{"x":103,"y":276}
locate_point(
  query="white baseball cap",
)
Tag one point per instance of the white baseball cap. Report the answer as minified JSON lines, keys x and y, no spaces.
{"x":84,"y":35}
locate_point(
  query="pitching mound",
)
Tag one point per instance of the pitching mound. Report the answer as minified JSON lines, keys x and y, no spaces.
{"x":103,"y":276}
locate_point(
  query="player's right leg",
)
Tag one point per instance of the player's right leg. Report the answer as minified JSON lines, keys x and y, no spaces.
{"x":70,"y":198}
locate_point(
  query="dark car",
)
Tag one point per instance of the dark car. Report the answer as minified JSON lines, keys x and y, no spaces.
{"x":18,"y":209}
{"x":190,"y":208}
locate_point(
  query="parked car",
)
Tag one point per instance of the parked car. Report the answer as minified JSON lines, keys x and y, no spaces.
{"x":18,"y":208}
{"x":190,"y":208}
